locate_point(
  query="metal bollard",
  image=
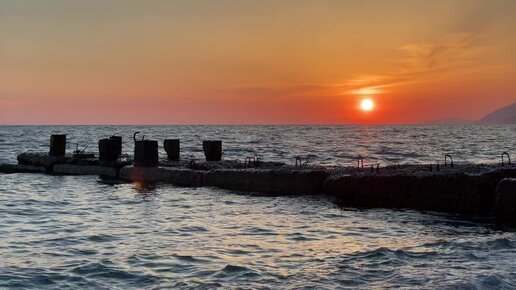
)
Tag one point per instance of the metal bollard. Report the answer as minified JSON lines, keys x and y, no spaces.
{"x":110,"y":149}
{"x":212,"y":150}
{"x":118,"y":141}
{"x":172,"y":148}
{"x":57,"y":145}
{"x":145,"y":152}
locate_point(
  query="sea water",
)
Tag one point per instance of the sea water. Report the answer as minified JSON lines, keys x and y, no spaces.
{"x":72,"y":232}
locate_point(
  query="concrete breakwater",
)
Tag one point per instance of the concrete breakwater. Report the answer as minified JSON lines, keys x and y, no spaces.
{"x":456,"y":188}
{"x":467,"y":189}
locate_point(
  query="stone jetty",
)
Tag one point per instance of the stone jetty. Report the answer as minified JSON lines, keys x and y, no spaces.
{"x":473,"y":189}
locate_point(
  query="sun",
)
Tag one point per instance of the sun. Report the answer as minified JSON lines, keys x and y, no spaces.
{"x":367,"y":105}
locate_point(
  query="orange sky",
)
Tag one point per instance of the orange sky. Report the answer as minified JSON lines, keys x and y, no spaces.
{"x":254,"y":62}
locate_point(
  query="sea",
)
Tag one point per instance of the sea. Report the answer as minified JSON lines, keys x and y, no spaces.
{"x":74,"y":232}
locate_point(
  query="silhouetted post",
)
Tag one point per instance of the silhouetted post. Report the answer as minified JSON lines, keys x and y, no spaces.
{"x":110,"y":149}
{"x":146,"y":153}
{"x":172,"y":148}
{"x":118,"y":141}
{"x":212,"y":150}
{"x":57,"y":145}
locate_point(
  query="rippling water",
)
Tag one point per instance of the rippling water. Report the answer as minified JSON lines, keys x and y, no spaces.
{"x":63,"y":232}
{"x":327,"y":145}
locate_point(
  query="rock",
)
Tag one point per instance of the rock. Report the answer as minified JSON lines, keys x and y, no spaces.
{"x":505,"y":207}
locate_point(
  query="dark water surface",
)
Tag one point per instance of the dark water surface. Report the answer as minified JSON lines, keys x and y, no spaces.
{"x":63,"y":232}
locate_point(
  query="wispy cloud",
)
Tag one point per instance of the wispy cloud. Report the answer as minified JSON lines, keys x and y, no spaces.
{"x":452,"y":52}
{"x":283,"y":90}
{"x":454,"y":55}
{"x":426,"y":62}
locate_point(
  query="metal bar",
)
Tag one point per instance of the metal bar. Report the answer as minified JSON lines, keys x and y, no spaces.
{"x":446,"y":160}
{"x":508,"y":158}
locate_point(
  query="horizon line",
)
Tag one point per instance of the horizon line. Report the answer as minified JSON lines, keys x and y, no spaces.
{"x":260,"y":124}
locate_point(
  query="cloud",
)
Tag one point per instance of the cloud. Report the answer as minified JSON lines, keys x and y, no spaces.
{"x":426,"y":62}
{"x":282,"y":90}
{"x":454,"y":55}
{"x":451,"y":52}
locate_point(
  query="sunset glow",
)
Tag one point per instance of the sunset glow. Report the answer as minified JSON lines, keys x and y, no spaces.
{"x":367,"y":105}
{"x":366,"y":91}
{"x":254,"y":62}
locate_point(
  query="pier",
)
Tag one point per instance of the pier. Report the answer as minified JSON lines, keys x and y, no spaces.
{"x":472,"y":189}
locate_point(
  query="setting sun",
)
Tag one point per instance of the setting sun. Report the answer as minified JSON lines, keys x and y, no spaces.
{"x":367,"y":105}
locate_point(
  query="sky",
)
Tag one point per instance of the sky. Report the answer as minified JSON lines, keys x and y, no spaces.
{"x":254,"y":62}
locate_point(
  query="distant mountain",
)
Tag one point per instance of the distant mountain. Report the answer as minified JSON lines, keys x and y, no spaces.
{"x":447,"y":121}
{"x":505,"y":115}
